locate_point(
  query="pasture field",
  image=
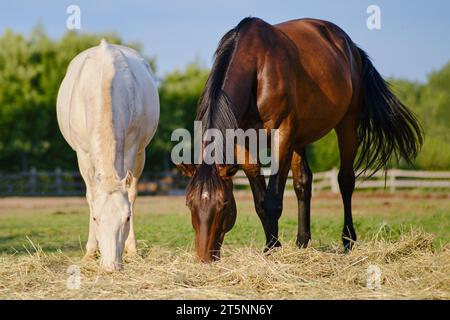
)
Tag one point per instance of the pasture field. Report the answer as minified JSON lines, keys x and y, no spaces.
{"x":405,"y":235}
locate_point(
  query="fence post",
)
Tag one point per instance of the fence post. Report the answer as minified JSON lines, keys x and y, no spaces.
{"x":392,"y":176}
{"x":33,"y":180}
{"x":334,"y":180}
{"x":10,"y":184}
{"x":58,"y":181}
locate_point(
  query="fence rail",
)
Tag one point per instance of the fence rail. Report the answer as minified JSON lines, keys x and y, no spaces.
{"x":66,"y":183}
{"x":392,"y":180}
{"x":70,"y":183}
{"x":33,"y":183}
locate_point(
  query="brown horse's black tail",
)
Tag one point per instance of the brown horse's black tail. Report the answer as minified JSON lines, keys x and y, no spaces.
{"x":387,"y":128}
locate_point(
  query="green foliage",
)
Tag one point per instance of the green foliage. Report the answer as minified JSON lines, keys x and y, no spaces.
{"x":179,"y":93}
{"x":431,"y":103}
{"x":323,"y":154}
{"x":32,"y":68}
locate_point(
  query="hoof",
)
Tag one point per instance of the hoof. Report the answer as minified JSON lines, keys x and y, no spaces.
{"x":90,"y":255}
{"x":272,"y":245}
{"x":303,"y":241}
{"x":348,"y":239}
{"x":348,"y":245}
{"x":130,"y":252}
{"x":130,"y":249}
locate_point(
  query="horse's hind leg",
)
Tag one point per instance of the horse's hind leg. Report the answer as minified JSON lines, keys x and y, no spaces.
{"x":131,"y":243}
{"x":91,"y":244}
{"x":348,"y":147}
{"x":302,"y":177}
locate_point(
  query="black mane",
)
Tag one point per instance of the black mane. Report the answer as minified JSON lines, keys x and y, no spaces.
{"x":214,"y":109}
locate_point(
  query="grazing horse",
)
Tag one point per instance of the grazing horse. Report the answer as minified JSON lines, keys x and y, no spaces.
{"x":108,"y":111}
{"x":303,"y":77}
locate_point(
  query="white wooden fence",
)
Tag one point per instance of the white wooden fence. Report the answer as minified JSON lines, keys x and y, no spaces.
{"x":64,"y":183}
{"x":392,"y":180}
{"x":70,"y":183}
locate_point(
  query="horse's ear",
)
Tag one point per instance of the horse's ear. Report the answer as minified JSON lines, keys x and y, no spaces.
{"x":186,"y":169}
{"x":228,"y":171}
{"x":128,"y":180}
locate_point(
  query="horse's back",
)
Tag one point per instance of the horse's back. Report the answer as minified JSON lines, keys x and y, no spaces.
{"x":141,"y":95}
{"x":67,"y":106}
{"x":328,"y":78}
{"x":108,"y":83}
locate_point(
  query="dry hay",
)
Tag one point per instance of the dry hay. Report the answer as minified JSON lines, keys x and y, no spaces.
{"x":410,"y":268}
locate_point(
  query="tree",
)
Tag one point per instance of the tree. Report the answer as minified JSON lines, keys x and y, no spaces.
{"x":431,"y":103}
{"x":31,"y":70}
{"x":179,"y":93}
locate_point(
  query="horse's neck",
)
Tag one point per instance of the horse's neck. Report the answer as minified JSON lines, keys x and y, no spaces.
{"x":239,"y":85}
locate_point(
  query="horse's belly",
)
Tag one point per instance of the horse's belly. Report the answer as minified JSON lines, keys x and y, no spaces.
{"x":307,"y":133}
{"x":314,"y":123}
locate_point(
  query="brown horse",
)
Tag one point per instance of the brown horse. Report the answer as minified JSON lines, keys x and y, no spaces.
{"x":303,"y":77}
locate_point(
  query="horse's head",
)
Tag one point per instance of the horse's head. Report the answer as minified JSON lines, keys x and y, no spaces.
{"x":111,"y":214}
{"x":210,"y":198}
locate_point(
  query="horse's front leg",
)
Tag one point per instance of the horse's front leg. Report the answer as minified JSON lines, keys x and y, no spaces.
{"x":258,"y":186}
{"x":273,"y":200}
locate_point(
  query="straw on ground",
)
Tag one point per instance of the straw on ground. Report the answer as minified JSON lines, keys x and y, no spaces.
{"x":410,"y":268}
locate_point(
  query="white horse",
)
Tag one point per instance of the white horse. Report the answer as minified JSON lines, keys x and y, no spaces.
{"x":108,"y":111}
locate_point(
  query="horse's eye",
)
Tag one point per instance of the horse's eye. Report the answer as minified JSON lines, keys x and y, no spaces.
{"x":94,"y":218}
{"x":128,"y":219}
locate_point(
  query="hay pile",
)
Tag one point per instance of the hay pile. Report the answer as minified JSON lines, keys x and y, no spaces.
{"x":410,"y":268}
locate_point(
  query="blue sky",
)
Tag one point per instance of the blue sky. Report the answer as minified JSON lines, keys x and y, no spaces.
{"x":414,"y":38}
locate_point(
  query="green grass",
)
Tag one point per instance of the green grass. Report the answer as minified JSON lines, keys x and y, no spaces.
{"x":164,"y":221}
